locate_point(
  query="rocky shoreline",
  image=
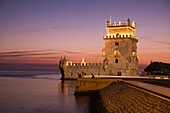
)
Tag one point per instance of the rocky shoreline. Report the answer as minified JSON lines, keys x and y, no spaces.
{"x":120,"y":97}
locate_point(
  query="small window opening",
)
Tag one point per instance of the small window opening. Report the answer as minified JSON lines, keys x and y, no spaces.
{"x":79,"y":75}
{"x":116,"y":43}
{"x":116,"y":60}
{"x":106,"y":63}
{"x":119,"y":73}
{"x":71,"y":74}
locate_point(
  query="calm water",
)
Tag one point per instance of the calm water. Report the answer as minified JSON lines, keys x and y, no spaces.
{"x":37,"y":92}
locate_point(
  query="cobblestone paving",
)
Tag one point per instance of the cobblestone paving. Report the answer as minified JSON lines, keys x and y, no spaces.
{"x":121,"y":98}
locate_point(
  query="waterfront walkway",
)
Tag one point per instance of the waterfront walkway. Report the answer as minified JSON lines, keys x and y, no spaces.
{"x":125,"y":77}
{"x":120,"y":97}
{"x":156,"y":88}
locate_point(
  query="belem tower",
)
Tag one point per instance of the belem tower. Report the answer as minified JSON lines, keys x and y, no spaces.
{"x":119,"y":54}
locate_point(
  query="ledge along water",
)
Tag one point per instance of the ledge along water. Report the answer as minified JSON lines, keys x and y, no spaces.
{"x":86,"y":86}
{"x":115,"y":95}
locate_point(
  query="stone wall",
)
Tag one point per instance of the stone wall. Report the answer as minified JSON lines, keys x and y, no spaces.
{"x":88,"y":85}
{"x":73,"y":70}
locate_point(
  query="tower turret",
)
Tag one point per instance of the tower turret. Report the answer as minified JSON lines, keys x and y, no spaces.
{"x":107,"y":23}
{"x":134,"y":24}
{"x":83,"y":61}
{"x":69,"y":61}
{"x":128,"y":22}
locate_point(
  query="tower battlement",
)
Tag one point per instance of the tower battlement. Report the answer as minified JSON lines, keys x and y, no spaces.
{"x":106,"y":37}
{"x":120,"y":24}
{"x":121,"y":28}
{"x":84,"y":64}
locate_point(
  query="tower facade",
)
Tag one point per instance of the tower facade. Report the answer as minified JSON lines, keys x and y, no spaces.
{"x":119,"y":55}
{"x":120,"y":51}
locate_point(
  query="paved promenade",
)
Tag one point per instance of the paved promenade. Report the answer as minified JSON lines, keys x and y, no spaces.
{"x":120,"y":97}
{"x":133,"y":77}
{"x":156,"y":88}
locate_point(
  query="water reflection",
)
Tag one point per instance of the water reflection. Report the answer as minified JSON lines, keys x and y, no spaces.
{"x":80,"y":100}
{"x":67,"y":87}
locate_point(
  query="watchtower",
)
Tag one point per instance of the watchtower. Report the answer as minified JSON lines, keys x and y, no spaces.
{"x":120,"y":51}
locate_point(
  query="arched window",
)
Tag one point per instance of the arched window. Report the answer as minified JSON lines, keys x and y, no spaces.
{"x":116,"y":52}
{"x":116,"y":60}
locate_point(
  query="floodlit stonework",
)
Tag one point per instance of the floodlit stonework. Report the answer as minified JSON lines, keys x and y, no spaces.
{"x":119,"y":55}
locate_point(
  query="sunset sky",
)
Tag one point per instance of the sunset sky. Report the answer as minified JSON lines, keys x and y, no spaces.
{"x":34,"y":34}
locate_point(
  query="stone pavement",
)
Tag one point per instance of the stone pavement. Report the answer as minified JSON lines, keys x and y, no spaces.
{"x":120,"y":97}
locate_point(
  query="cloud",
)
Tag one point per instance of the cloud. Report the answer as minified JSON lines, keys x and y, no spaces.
{"x":57,"y":27}
{"x":26,"y":53}
{"x":19,"y":55}
{"x":146,"y":37}
{"x":73,"y":52}
{"x":36,"y":28}
{"x":40,"y":28}
{"x":28,"y":67}
{"x":42,"y":57}
{"x":27,"y":29}
{"x":15,"y":52}
{"x":67,"y":27}
{"x":36,"y":53}
{"x":61,"y":27}
{"x":161,"y":42}
{"x":154,"y":47}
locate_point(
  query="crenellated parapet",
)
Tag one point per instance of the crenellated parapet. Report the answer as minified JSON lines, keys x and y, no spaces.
{"x":133,"y":25}
{"x":84,"y":65}
{"x":106,"y":37}
{"x":68,"y":63}
{"x":121,"y":24}
{"x":127,"y":28}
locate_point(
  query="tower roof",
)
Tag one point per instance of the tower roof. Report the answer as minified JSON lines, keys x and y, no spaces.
{"x":121,"y":24}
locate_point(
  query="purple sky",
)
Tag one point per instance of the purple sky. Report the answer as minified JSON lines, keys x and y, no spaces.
{"x":40,"y":31}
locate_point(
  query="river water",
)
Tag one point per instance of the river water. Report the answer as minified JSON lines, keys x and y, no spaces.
{"x":38,"y":92}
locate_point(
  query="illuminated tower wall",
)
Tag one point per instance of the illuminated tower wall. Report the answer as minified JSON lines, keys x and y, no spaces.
{"x":120,"y":51}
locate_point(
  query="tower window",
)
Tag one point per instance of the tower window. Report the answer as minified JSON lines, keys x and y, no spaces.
{"x":116,"y":52}
{"x":71,"y":73}
{"x":116,"y":60}
{"x":119,"y":73}
{"x":116,"y":43}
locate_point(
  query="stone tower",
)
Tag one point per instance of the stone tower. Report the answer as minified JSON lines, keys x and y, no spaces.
{"x":119,"y":55}
{"x":120,"y":51}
